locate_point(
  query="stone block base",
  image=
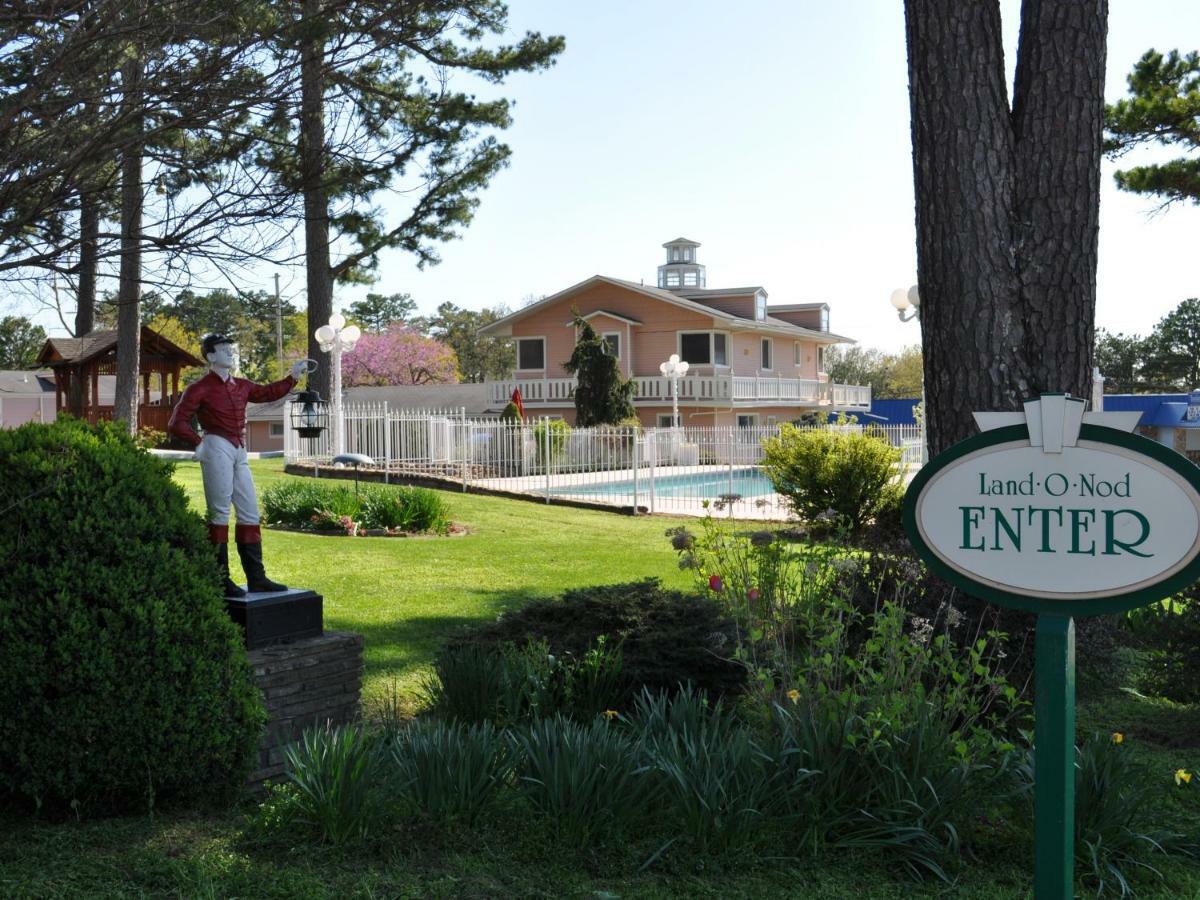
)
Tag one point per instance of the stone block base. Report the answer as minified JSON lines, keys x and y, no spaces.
{"x":305,"y":683}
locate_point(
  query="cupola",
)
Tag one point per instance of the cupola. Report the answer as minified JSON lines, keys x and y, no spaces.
{"x":681,"y":272}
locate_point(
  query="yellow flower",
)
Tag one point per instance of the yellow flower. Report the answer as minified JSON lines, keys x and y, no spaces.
{"x":1118,"y":738}
{"x":793,"y":695}
{"x":611,"y":713}
{"x":1183,"y":776}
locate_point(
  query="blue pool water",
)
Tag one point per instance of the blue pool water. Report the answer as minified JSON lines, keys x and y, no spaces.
{"x":698,"y":485}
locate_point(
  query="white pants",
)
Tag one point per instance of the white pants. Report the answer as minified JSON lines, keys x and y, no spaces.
{"x":226,"y":473}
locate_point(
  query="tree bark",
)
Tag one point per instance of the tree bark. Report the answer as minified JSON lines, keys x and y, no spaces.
{"x":316,"y":201}
{"x":1007,"y":203}
{"x":89,"y":233}
{"x":125,"y":404}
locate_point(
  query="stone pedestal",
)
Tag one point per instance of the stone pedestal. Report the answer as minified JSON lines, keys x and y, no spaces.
{"x":277,"y":617}
{"x":304,"y":683}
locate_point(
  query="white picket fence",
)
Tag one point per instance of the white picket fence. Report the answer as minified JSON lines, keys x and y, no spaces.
{"x":685,"y":470}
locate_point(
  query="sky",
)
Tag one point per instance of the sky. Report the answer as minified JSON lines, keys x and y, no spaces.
{"x":774,"y":133}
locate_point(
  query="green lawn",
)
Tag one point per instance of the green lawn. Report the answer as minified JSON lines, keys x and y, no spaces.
{"x":404,"y":595}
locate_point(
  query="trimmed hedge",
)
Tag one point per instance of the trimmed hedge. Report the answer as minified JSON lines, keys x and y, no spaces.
{"x":665,"y":638}
{"x":123,"y":682}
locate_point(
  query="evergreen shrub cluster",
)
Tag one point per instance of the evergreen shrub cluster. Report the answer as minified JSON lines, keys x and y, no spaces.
{"x":846,"y":479}
{"x":123,"y":682}
{"x":320,"y":505}
{"x":665,"y":638}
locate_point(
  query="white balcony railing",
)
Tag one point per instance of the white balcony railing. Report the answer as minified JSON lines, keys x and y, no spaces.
{"x":698,"y":388}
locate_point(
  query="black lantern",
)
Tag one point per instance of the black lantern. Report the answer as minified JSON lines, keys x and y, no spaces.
{"x":310,"y":414}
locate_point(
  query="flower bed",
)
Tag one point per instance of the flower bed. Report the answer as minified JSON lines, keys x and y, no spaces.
{"x":373,"y":510}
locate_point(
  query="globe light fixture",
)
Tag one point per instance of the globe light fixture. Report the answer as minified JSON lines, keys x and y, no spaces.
{"x":674,"y":368}
{"x":909,"y":302}
{"x":337,"y":338}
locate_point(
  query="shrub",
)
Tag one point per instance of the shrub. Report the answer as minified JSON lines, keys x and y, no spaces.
{"x":304,"y":503}
{"x":1170,"y":633}
{"x":553,"y":432}
{"x":336,"y":774}
{"x":122,"y":679}
{"x":449,"y":770}
{"x":588,"y":779}
{"x":666,"y":638}
{"x":857,"y":476}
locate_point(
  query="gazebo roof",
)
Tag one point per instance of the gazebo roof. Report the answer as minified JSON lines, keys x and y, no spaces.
{"x":58,"y":352}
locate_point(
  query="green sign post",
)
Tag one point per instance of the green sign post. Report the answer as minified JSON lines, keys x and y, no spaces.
{"x":1063,"y":513}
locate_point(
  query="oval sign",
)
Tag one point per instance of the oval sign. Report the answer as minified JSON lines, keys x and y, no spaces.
{"x":1108,"y":524}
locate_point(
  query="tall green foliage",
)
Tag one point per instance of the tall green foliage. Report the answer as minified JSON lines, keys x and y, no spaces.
{"x":602,"y":395}
{"x":1163,"y":108}
{"x":122,"y":679}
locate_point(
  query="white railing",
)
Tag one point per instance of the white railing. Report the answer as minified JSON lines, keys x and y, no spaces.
{"x":685,"y":470}
{"x":694,"y":388}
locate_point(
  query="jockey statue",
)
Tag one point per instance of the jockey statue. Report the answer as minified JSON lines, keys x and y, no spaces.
{"x":219,"y":400}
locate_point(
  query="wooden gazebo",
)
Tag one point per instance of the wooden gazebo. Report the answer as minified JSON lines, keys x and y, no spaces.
{"x":79,"y":362}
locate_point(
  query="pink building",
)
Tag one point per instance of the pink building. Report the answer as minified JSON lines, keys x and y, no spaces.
{"x":750,"y":363}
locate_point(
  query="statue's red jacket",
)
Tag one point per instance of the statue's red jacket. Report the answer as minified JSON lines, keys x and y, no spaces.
{"x":221,"y":406}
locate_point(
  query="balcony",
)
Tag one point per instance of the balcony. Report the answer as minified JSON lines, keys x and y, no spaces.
{"x":705,"y":390}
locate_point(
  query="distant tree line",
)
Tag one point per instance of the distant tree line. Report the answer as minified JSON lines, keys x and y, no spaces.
{"x":1165,"y":361}
{"x":890,"y":375}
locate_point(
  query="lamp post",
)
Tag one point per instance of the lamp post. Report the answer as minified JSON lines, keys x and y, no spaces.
{"x":908,"y":307}
{"x":674,"y":368}
{"x":337,"y":338}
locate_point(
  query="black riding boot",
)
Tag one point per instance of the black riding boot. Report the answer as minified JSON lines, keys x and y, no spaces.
{"x":256,"y":576}
{"x":231,"y":589}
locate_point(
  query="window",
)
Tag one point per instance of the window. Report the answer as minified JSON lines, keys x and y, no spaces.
{"x":276,"y":429}
{"x":689,"y":279}
{"x":672,"y":279}
{"x":822,"y":358}
{"x":760,"y":306}
{"x":703,"y":348}
{"x":695,"y":347}
{"x":664,"y":421}
{"x":531,"y":354}
{"x":747,"y":420}
{"x":719,"y":350}
{"x":674,"y":254}
{"x":766,"y":353}
{"x":799,"y":352}
{"x":772,"y":421}
{"x":612,"y":343}
{"x":824,"y":319}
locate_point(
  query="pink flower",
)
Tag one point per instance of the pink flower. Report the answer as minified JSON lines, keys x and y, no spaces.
{"x":714,"y":583}
{"x":752,"y":594}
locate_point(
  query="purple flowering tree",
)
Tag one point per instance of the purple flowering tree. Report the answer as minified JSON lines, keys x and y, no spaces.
{"x":401,"y":355}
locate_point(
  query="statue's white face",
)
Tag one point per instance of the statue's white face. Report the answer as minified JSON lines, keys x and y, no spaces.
{"x":224,"y":356}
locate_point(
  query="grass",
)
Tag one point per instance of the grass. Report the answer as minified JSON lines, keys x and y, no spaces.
{"x":404,"y":595}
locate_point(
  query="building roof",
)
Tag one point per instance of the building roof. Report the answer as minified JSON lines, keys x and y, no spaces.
{"x":796,"y":307}
{"x":610,"y":314}
{"x":682,"y":240}
{"x":62,"y":351}
{"x":26,"y":381}
{"x":504,"y":326}
{"x":722,"y":292}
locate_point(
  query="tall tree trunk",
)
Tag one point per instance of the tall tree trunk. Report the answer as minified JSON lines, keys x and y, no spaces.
{"x":1006,"y":203}
{"x":316,"y":202}
{"x":89,"y":233}
{"x":125,"y":404}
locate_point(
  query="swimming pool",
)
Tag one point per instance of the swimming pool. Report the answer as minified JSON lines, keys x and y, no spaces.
{"x":696,"y":485}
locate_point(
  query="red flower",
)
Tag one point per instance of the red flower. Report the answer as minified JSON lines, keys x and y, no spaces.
{"x":752,"y":594}
{"x":714,"y":583}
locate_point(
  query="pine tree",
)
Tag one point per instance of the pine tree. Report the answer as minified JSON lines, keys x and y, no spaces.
{"x":602,"y":396}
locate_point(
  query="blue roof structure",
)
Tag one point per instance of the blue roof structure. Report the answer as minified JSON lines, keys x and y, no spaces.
{"x":1158,"y":410}
{"x":895,"y":412}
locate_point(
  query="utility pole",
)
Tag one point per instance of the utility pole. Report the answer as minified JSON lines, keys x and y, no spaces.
{"x":278,"y":326}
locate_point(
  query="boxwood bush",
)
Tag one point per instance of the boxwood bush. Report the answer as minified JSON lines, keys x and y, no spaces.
{"x":122,"y":679}
{"x":295,"y":502}
{"x":665,"y":638}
